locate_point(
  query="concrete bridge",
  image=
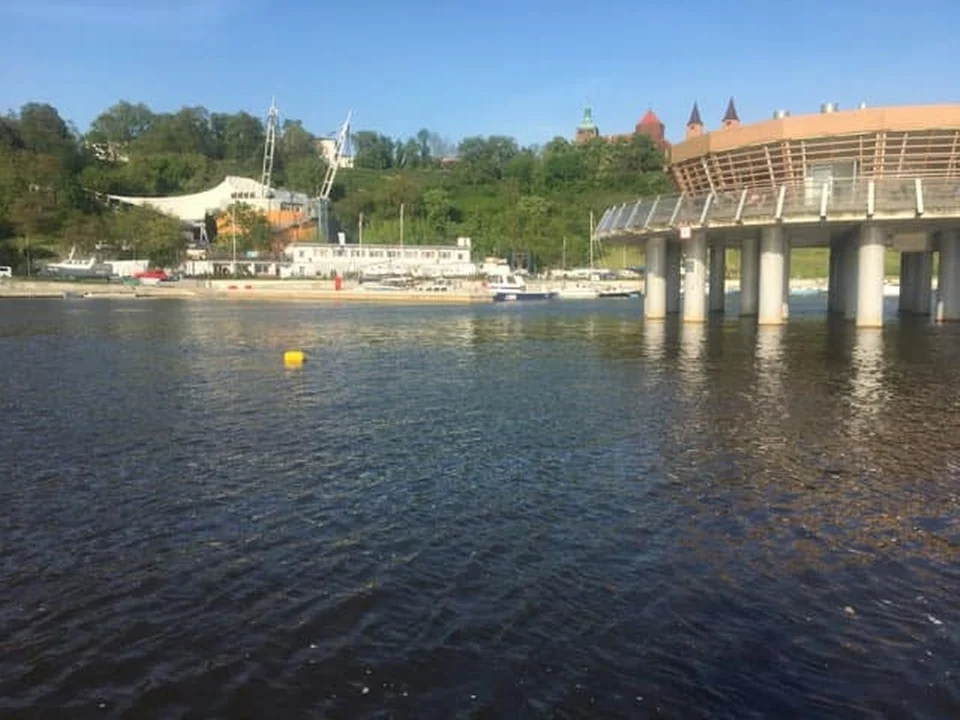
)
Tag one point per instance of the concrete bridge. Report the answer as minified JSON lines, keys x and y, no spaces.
{"x":856,"y":219}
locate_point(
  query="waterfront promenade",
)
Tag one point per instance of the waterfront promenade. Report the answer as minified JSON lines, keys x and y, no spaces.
{"x":459,"y":291}
{"x":229,"y":289}
{"x":857,"y":220}
{"x":858,"y":182}
{"x":317,"y":290}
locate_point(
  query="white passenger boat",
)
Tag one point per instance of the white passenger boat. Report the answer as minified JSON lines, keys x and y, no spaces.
{"x":513,"y":288}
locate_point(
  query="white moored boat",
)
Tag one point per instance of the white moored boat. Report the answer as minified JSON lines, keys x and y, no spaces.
{"x":511,"y":287}
{"x":73,"y":267}
{"x":577,"y":292}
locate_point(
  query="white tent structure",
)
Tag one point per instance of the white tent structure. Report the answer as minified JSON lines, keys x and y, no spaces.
{"x":194,"y":209}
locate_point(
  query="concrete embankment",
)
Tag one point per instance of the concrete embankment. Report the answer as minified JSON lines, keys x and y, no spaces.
{"x":312,"y":290}
{"x":315,"y":290}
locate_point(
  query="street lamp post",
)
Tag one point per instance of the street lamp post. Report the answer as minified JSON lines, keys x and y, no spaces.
{"x":233,"y":224}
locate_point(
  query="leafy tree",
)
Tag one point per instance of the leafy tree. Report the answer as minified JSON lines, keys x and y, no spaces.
{"x":34,"y":208}
{"x":83,"y":230}
{"x":407,"y":154}
{"x":187,"y":131}
{"x":42,"y":130}
{"x":242,"y":139}
{"x":144,"y":232}
{"x":243,"y":223}
{"x":439,"y":210}
{"x":423,"y":147}
{"x":533,"y":211}
{"x":10,"y":133}
{"x":120,"y":124}
{"x":372,"y":150}
{"x":297,"y":143}
{"x":305,"y":174}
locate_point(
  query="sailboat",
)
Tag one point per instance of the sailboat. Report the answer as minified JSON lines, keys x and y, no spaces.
{"x":579,"y":291}
{"x":610,"y":292}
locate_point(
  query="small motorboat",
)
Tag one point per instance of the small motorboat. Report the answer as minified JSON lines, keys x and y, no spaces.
{"x":619,"y":293}
{"x":513,"y":288}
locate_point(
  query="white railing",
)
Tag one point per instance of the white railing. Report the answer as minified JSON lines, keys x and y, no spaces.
{"x":833,"y":200}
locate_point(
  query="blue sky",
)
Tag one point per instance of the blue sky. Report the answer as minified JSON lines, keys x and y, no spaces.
{"x":524,"y":68}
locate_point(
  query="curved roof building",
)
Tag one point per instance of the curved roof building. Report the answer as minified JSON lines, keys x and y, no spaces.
{"x":891,"y":142}
{"x":857,"y":181}
{"x":282,"y":208}
{"x":899,"y":162}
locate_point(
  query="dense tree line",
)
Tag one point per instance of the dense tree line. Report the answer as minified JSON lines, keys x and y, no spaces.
{"x":53,"y":179}
{"x":533,"y":200}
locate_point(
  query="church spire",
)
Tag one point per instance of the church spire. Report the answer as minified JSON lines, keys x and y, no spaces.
{"x":587,"y":122}
{"x":587,"y":129}
{"x":694,"y":124}
{"x":730,"y":117}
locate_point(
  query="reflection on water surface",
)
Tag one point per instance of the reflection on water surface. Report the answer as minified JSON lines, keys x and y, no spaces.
{"x":501,"y":511}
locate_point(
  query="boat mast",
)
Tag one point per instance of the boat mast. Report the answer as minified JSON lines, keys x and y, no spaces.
{"x":591,"y":239}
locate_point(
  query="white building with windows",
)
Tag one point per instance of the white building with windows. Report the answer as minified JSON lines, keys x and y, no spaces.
{"x":310,"y":260}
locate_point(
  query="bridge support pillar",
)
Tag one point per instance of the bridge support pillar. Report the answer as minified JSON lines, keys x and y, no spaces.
{"x":673,"y":277}
{"x":695,"y":279}
{"x":749,"y":275}
{"x":786,"y":277}
{"x":923,"y":280}
{"x":871,"y":249}
{"x":834,"y":280}
{"x":850,"y":254}
{"x":655,"y":284}
{"x":770,"y":310}
{"x":907,"y":278}
{"x":718,"y":276}
{"x":948,"y":283}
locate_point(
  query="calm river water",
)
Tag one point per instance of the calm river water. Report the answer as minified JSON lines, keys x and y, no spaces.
{"x":546,"y":510}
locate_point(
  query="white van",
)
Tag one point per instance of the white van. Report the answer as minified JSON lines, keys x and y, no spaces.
{"x":6,"y":271}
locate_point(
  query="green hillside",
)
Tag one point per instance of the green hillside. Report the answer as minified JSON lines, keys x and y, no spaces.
{"x":507,"y":198}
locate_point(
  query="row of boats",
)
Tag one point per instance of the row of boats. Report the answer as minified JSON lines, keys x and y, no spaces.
{"x":509,"y":287}
{"x":513,"y":288}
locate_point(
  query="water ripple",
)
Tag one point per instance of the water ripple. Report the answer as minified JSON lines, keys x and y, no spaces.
{"x":484,"y":512}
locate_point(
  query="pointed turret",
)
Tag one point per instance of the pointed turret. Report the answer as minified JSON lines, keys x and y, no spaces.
{"x":649,"y":119}
{"x":694,"y":124}
{"x":730,"y":117}
{"x":587,"y":129}
{"x":651,"y":126}
{"x":587,"y":122}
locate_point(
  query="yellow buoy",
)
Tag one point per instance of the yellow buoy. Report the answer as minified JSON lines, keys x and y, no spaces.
{"x":294,"y":358}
